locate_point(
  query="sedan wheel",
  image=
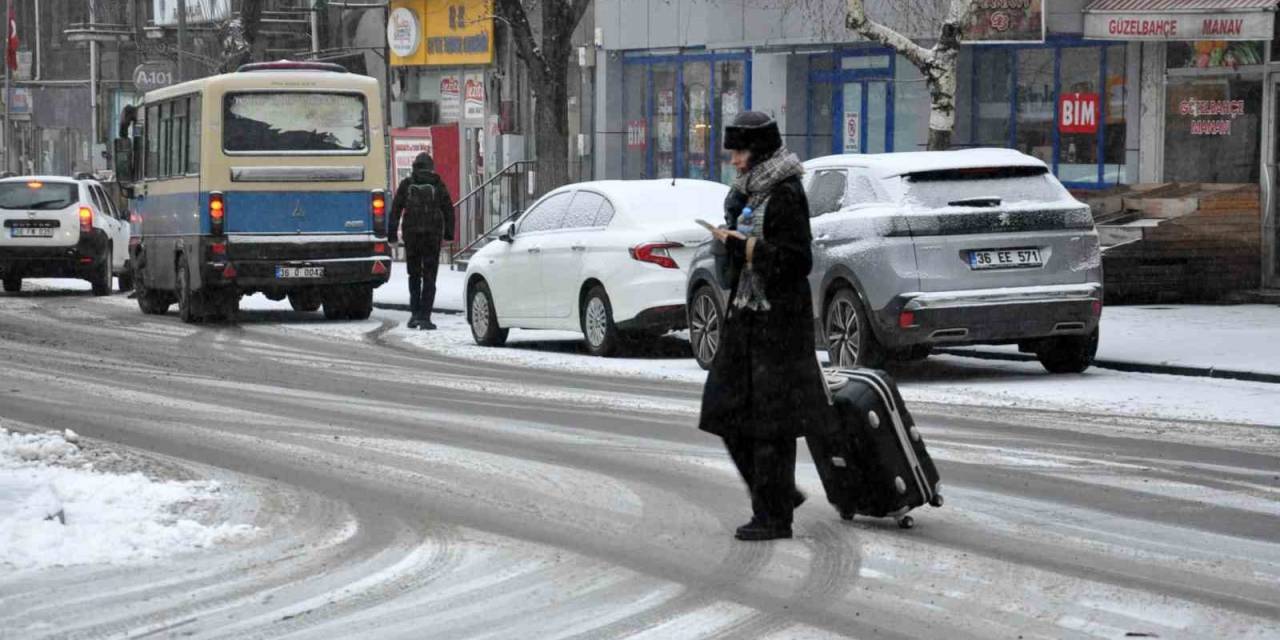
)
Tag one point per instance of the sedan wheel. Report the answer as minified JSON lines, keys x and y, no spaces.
{"x":704,"y":326}
{"x":597,"y":323}
{"x":484,"y":318}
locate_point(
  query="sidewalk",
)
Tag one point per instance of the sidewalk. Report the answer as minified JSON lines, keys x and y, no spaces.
{"x":1237,"y":341}
{"x":449,"y":290}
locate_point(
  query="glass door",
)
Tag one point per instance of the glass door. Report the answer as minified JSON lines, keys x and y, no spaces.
{"x":862,"y":117}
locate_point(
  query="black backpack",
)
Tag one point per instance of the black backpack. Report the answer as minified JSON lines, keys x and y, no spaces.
{"x":422,"y":202}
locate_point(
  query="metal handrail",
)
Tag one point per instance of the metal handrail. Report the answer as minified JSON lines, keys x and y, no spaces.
{"x":508,"y":171}
{"x":491,"y":179}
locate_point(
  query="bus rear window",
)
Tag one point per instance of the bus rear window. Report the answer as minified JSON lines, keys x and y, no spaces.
{"x":39,"y":196}
{"x":293,"y":122}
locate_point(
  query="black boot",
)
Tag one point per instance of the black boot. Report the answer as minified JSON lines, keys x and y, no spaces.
{"x":415,"y":301}
{"x":426,"y":324}
{"x":759,"y":529}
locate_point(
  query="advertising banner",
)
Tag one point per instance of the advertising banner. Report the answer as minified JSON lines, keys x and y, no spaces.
{"x":473,"y":97}
{"x":1005,"y":21}
{"x":1078,"y":113}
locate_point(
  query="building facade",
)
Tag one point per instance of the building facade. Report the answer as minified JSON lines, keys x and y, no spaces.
{"x":1108,"y":93}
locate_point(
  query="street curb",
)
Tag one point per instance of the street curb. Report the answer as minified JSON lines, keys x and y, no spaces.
{"x":392,"y":306}
{"x":1129,"y":367}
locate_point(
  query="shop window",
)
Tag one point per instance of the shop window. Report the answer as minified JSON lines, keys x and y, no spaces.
{"x":731,"y":95}
{"x":697,"y":120}
{"x":911,"y":109}
{"x":1215,"y":54}
{"x":992,"y":94}
{"x":635,"y":159}
{"x":1115,"y":109}
{"x":1078,"y":143}
{"x":663,"y":135}
{"x":1212,"y":129}
{"x":1036,"y":106}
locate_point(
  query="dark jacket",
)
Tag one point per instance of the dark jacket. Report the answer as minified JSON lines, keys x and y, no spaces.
{"x":765,"y":382}
{"x":436,"y":222}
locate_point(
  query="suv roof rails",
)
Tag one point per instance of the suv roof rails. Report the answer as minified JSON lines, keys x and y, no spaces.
{"x":292,"y":65}
{"x":7,"y":174}
{"x":85,"y":175}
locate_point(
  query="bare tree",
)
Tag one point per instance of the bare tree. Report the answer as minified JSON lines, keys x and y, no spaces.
{"x":239,"y":35}
{"x":937,"y":63}
{"x":547,"y":59}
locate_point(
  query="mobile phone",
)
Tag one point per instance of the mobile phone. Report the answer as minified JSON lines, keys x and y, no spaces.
{"x":707,"y":225}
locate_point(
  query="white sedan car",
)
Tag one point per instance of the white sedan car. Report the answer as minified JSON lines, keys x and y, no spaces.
{"x":608,"y":258}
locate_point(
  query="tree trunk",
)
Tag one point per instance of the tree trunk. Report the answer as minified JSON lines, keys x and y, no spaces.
{"x":551,"y":115}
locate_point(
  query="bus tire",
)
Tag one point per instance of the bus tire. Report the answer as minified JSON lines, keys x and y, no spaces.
{"x":189,"y":310}
{"x":360,"y":304}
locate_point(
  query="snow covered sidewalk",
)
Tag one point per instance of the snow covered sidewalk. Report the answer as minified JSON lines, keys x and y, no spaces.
{"x":1168,"y":338}
{"x":449,"y":289}
{"x":57,"y":510}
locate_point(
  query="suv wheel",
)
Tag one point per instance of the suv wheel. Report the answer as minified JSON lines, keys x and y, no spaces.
{"x":12,"y":285}
{"x":101,"y":280}
{"x":850,"y":342}
{"x":1068,"y":354}
{"x":483,"y":317}
{"x":597,"y":323}
{"x":705,"y":322}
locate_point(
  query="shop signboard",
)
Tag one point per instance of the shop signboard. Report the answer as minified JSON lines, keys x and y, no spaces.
{"x":165,"y":12}
{"x":450,"y":98}
{"x":1078,"y":113}
{"x":473,"y":97}
{"x":457,"y":32}
{"x":1179,"y":25}
{"x":852,"y":132}
{"x":1005,"y":21}
{"x":19,"y":101}
{"x":403,"y":32}
{"x":637,"y":134}
{"x":153,"y":75}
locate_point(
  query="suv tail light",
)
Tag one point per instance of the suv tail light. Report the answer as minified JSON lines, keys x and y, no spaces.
{"x":217,"y":213}
{"x":656,"y":253}
{"x":378,"y":205}
{"x":86,"y":220}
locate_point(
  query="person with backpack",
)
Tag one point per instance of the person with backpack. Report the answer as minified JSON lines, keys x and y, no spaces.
{"x":422,"y":215}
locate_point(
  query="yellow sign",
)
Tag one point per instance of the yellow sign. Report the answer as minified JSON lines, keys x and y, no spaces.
{"x":440,"y":32}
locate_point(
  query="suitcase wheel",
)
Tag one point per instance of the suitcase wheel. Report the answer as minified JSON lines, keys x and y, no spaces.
{"x":906,"y":522}
{"x":846,"y":515}
{"x":936,"y":501}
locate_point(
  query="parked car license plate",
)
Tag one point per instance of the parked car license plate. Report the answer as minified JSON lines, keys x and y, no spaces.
{"x":31,"y":232}
{"x":299,"y":272}
{"x":1004,"y":258}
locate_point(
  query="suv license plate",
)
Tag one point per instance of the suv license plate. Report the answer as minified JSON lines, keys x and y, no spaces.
{"x":31,"y":232}
{"x":299,"y":272}
{"x":1005,"y":259}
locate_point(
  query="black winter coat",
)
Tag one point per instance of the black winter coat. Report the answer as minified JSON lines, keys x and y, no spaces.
{"x":765,"y":382}
{"x":436,"y":223}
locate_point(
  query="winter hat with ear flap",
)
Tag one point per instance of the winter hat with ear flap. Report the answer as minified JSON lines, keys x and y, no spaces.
{"x":755,"y":132}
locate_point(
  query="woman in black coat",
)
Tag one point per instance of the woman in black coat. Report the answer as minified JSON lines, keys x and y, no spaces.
{"x":765,"y":388}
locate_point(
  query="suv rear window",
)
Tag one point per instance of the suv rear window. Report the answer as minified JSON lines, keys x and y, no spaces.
{"x":981,"y":186}
{"x":40,"y":196}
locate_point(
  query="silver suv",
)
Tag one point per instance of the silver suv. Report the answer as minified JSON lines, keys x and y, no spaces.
{"x":914,"y":251}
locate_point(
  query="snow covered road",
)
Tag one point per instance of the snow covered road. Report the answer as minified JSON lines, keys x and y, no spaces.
{"x":407,"y":493}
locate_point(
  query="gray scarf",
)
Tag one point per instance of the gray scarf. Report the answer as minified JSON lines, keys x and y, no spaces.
{"x":758,"y":184}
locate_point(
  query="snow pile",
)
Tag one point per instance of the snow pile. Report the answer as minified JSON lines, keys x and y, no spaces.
{"x":55,"y":510}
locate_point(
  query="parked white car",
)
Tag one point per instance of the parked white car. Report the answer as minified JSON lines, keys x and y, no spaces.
{"x":608,"y":258}
{"x":59,"y":227}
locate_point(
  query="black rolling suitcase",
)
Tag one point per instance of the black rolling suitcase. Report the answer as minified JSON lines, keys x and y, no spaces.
{"x":873,"y":461}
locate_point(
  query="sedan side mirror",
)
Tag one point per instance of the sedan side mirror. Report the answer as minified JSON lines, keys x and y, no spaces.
{"x":508,"y":233}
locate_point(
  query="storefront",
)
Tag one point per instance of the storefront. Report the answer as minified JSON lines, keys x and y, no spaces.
{"x":674,"y":108}
{"x":864,"y":100}
{"x":1210,"y":94}
{"x":1063,"y":101}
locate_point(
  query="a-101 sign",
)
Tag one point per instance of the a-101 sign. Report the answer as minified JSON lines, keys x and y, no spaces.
{"x":150,"y":76}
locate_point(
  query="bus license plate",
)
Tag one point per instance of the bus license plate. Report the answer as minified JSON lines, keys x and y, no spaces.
{"x":31,"y":232}
{"x":299,"y":272}
{"x":1005,"y":259}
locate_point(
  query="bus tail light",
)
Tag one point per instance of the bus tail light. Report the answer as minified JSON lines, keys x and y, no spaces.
{"x":379,"y":268}
{"x":378,"y":205}
{"x":86,"y":220}
{"x":217,"y":213}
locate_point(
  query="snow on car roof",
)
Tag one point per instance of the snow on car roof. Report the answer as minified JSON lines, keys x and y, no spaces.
{"x":888,"y":165}
{"x":663,"y":199}
{"x":49,"y":179}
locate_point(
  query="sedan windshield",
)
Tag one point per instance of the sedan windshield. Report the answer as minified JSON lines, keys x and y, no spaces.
{"x":42,"y":196}
{"x":293,"y":122}
{"x":989,"y":186}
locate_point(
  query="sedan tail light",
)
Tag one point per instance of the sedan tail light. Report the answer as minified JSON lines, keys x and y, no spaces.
{"x":86,"y":220}
{"x":656,"y":253}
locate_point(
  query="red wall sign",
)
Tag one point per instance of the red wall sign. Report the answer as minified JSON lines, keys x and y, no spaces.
{"x":1078,"y":113}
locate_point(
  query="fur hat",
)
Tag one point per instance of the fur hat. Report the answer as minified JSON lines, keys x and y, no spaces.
{"x":755,"y":132}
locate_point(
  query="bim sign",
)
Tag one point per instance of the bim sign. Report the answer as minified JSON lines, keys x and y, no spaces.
{"x":1078,"y":113}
